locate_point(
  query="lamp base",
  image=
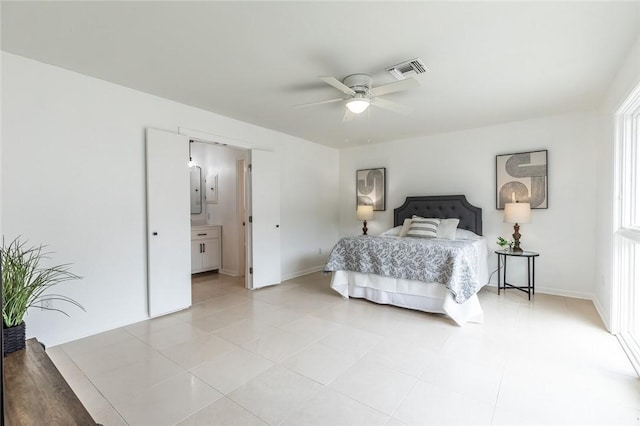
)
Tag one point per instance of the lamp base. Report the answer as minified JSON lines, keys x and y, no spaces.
{"x":364,"y":228}
{"x":516,"y":239}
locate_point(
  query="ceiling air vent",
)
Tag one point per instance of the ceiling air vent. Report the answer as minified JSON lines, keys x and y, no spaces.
{"x":407,"y":69}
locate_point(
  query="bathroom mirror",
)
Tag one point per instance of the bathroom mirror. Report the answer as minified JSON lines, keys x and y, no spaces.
{"x":196,"y":193}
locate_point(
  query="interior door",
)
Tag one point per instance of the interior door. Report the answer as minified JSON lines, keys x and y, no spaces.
{"x":168,"y":222}
{"x":264,"y":220}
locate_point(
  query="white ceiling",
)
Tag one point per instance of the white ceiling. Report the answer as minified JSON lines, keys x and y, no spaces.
{"x":489,"y":62}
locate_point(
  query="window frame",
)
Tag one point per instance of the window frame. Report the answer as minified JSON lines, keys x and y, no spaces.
{"x":626,"y":224}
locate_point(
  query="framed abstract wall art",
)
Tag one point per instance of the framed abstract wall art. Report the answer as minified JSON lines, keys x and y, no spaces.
{"x":522,"y":177}
{"x":370,"y":188}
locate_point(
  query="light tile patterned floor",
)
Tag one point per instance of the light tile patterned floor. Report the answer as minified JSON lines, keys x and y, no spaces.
{"x":298,"y":354}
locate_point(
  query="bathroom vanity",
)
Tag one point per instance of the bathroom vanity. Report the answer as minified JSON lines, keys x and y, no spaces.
{"x":206,"y":248}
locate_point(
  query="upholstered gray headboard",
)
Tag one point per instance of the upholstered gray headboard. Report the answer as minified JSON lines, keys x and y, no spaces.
{"x":442,"y":207}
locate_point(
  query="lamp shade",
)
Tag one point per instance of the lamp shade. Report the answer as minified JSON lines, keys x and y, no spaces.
{"x":517,"y":213}
{"x":364,"y":212}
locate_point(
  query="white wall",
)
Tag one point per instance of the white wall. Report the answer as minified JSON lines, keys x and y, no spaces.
{"x":626,"y":80}
{"x":464,"y":163}
{"x":316,"y":209}
{"x":73,"y":178}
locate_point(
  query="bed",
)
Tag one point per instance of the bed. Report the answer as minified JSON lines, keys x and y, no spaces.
{"x":382,"y":268}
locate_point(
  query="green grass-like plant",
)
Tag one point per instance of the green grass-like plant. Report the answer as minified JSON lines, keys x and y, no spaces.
{"x":24,"y":282}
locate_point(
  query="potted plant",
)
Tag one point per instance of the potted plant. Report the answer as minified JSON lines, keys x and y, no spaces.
{"x":24,"y":285}
{"x":505,"y":244}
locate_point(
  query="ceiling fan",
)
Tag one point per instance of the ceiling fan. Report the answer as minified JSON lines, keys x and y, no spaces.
{"x":361,"y":94}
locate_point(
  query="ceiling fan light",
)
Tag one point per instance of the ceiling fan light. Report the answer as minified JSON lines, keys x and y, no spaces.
{"x":358,"y":105}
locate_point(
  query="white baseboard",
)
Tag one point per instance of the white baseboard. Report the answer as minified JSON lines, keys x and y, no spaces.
{"x":551,"y":290}
{"x":556,"y":292}
{"x":300,"y":273}
{"x":605,"y":319}
{"x":231,"y":272}
{"x":565,"y":293}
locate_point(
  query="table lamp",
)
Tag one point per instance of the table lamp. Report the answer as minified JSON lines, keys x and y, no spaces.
{"x":517,"y":213}
{"x":364,"y":213}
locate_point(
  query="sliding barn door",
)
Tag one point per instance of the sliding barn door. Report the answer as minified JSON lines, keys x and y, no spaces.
{"x":264,"y":220}
{"x":168,"y":222}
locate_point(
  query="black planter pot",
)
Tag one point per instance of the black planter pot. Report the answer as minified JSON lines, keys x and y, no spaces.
{"x":13,"y":338}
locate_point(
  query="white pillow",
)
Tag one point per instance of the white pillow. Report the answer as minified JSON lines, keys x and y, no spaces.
{"x":423,"y":228}
{"x":463,"y":234}
{"x":405,"y":227}
{"x":393,"y":232}
{"x":447,"y":229}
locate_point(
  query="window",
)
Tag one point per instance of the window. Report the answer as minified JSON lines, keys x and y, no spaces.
{"x":627,"y":225}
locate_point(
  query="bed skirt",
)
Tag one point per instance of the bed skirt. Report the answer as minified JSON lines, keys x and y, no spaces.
{"x":427,"y":297}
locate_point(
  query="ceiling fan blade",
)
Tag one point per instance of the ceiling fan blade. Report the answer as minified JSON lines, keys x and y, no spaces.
{"x":328,"y":101}
{"x":338,"y":85}
{"x":391,"y":106}
{"x":396,"y":86}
